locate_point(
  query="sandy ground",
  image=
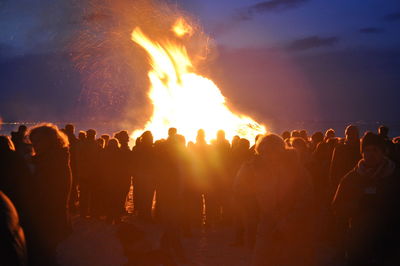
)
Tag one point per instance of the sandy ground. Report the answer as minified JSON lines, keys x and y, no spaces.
{"x":94,"y":242}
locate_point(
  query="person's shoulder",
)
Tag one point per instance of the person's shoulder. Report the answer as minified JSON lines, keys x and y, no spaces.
{"x":351,"y":177}
{"x":341,"y":146}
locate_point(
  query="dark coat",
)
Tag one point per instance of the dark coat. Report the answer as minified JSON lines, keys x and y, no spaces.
{"x":47,"y":203}
{"x":368,"y":209}
{"x":345,"y":157}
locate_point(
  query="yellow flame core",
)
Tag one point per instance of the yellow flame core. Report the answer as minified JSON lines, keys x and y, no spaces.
{"x":186,"y":100}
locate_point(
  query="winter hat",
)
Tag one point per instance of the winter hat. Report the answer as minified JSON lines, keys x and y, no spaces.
{"x":371,"y":139}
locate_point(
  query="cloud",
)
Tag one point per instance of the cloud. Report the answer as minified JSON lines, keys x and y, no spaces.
{"x":312,"y":42}
{"x":392,"y":17}
{"x":249,"y":12}
{"x":371,"y":30}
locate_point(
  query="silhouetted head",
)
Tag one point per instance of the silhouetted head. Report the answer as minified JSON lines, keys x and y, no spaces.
{"x":201,"y":136}
{"x":373,"y":149}
{"x":91,"y":134}
{"x":383,"y":131}
{"x":106,"y":138}
{"x":146,"y":138}
{"x":330,"y":133}
{"x":286,"y":135}
{"x":6,"y":144}
{"x":70,"y":129}
{"x":235,"y":140}
{"x":220,"y":135}
{"x":317,"y":137}
{"x":172,"y":132}
{"x":100,"y":142}
{"x":180,"y":139}
{"x":244,"y":144}
{"x":122,"y":136}
{"x":295,"y":134}
{"x":352,"y":134}
{"x":47,"y":137}
{"x":299,"y":144}
{"x":270,"y":146}
{"x":82,"y":135}
{"x":332,"y":142}
{"x":22,"y":129}
{"x":190,"y":145}
{"x":303,"y":134}
{"x":113,"y":144}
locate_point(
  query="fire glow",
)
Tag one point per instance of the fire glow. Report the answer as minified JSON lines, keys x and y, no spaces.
{"x":183,"y":99}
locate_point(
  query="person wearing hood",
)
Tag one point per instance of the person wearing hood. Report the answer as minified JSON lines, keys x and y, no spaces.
{"x":366,"y":207}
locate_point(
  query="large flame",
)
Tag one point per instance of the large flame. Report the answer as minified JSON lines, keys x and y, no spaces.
{"x":183,"y":99}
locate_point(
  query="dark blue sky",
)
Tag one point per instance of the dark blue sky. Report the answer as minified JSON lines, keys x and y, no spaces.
{"x":291,"y":60}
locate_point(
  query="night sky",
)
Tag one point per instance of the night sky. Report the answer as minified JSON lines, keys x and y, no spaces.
{"x":277,"y":60}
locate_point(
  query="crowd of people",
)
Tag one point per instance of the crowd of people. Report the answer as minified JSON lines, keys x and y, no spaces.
{"x":292,"y":199}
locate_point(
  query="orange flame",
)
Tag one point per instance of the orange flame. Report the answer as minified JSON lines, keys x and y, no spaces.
{"x":183,"y":99}
{"x":182,"y":28}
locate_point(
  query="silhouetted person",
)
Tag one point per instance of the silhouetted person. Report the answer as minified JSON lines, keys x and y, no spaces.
{"x":285,"y":135}
{"x":73,"y":140}
{"x":390,"y":147}
{"x":172,"y":162}
{"x":202,"y":170}
{"x":345,"y":156}
{"x":114,"y":183}
{"x":106,"y":138}
{"x":70,"y":132}
{"x":88,"y":169}
{"x":383,"y":131}
{"x":100,"y":143}
{"x":12,"y":239}
{"x":240,"y":155}
{"x":219,"y":205}
{"x":235,"y":141}
{"x":126,"y":161}
{"x":366,"y":206}
{"x":282,"y":190}
{"x":14,"y":174}
{"x":253,"y":148}
{"x":80,"y":167}
{"x":18,"y":139}
{"x":145,"y":174}
{"x":316,"y":138}
{"x":97,"y":204}
{"x":49,"y":191}
{"x":300,"y":145}
{"x":319,"y":170}
{"x":304,"y":135}
{"x":192,"y":192}
{"x":172,"y":132}
{"x":123,"y":138}
{"x":295,"y":134}
{"x":329,"y":134}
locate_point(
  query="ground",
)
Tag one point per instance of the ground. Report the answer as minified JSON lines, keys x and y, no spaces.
{"x":94,"y":242}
